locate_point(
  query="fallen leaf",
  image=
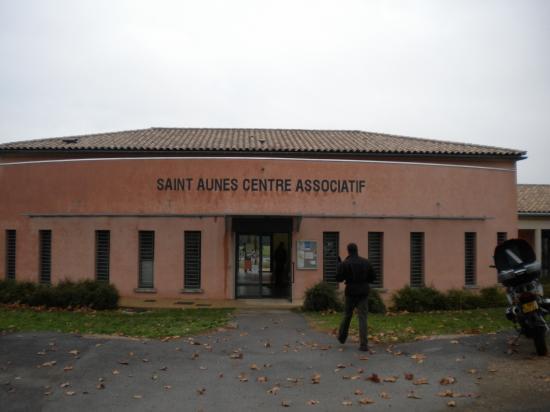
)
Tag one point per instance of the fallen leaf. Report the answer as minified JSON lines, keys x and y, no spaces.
{"x":137,"y":396}
{"x":201,"y":391}
{"x":391,"y":379}
{"x":164,"y":368}
{"x":123,"y":362}
{"x":413,"y":395}
{"x":195,"y":356}
{"x":454,"y":341}
{"x":312,"y":402}
{"x":100,"y":385}
{"x":261,"y":379}
{"x":421,"y":381}
{"x":167,"y":387}
{"x":472,"y":371}
{"x":203,"y":368}
{"x":286,"y":403}
{"x":154,"y":377}
{"x":364,"y":358}
{"x":70,"y":393}
{"x":316,"y":378}
{"x":65,"y":385}
{"x":451,"y":404}
{"x":116,"y":372}
{"x":48,"y":364}
{"x":409,"y":376}
{"x":220,"y":375}
{"x":365,"y":401}
{"x":373,"y":378}
{"x":74,"y":352}
{"x":292,"y":380}
{"x":384,"y":395}
{"x":448,"y":394}
{"x":145,"y":360}
{"x":274,"y":391}
{"x":448,"y":380}
{"x":254,"y":367}
{"x":340,"y":366}
{"x":68,"y":368}
{"x":418,"y":357}
{"x":358,"y":392}
{"x":347,"y":403}
{"x":41,"y":353}
{"x":242,"y":377}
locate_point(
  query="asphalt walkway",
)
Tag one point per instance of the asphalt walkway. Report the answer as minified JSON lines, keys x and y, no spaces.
{"x":267,"y":360}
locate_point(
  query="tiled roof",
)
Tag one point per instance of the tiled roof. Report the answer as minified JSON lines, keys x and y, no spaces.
{"x":257,"y":141}
{"x":534,"y":199}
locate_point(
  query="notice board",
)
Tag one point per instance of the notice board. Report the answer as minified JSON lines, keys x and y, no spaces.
{"x":307,"y":254}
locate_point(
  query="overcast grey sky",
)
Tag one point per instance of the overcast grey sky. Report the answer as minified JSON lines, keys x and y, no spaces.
{"x":474,"y":71}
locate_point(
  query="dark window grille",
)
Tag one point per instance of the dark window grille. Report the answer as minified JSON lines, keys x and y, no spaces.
{"x":417,"y":259}
{"x":192,"y":260}
{"x":45,"y":251}
{"x":10,"y":253}
{"x":331,"y":242}
{"x":470,"y":258}
{"x":146,"y":258}
{"x":376,"y":256}
{"x":102,"y":255}
{"x":502,"y":237}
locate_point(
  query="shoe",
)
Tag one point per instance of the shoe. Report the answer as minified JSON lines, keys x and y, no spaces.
{"x":341,"y":340}
{"x":364,"y":348}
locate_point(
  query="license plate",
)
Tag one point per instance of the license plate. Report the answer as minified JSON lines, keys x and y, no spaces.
{"x":530,"y":306}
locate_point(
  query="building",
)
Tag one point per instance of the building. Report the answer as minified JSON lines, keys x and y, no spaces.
{"x":534,"y":221}
{"x":249,"y":213}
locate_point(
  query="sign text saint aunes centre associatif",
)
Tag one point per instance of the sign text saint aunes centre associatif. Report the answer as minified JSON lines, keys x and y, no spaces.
{"x":227,"y":184}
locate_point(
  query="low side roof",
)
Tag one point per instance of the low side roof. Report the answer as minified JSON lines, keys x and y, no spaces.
{"x":534,"y":199}
{"x":258,"y":141}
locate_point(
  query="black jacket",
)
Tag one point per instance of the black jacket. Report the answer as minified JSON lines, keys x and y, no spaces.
{"x":357,"y":272}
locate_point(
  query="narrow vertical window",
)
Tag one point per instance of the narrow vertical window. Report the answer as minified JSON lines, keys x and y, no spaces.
{"x":417,"y":259}
{"x":45,"y":256}
{"x":502,"y":237}
{"x":102,"y":255}
{"x":146,"y":258}
{"x":192,"y":260}
{"x":376,"y":256}
{"x":10,"y":253}
{"x":331,"y":242}
{"x":470,"y":258}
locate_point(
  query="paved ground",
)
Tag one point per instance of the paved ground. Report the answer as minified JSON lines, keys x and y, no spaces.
{"x":268,"y":359}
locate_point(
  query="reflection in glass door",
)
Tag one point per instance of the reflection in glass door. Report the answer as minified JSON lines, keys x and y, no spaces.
{"x":254,"y":269}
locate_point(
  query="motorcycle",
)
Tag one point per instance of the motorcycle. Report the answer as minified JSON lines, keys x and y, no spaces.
{"x":519,"y":272}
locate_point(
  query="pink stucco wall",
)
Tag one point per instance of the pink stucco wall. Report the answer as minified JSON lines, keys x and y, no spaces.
{"x":434,"y":199}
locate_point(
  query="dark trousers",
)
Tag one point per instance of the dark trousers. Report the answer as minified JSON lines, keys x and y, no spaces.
{"x":352,"y":302}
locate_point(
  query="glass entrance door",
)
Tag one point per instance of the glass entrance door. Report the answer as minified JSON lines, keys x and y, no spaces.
{"x":254,"y":269}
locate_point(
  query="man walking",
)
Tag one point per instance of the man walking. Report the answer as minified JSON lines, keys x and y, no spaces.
{"x":357,"y":273}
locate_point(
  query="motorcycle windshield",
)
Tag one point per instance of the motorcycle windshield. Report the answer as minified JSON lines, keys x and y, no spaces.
{"x":513,"y":254}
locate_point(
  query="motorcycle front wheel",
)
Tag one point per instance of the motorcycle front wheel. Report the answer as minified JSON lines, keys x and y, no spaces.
{"x":539,"y":336}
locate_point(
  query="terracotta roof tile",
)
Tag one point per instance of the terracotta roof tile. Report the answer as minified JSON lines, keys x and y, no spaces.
{"x":534,"y":199}
{"x":258,"y":140}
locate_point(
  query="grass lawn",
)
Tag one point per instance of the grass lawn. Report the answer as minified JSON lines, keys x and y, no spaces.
{"x":402,"y":327}
{"x":154,"y":323}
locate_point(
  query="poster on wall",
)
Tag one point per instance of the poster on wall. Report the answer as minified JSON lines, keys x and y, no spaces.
{"x":307,"y":254}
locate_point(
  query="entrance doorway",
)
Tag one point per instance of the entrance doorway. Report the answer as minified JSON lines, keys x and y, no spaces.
{"x":263,"y":265}
{"x":262,"y":256}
